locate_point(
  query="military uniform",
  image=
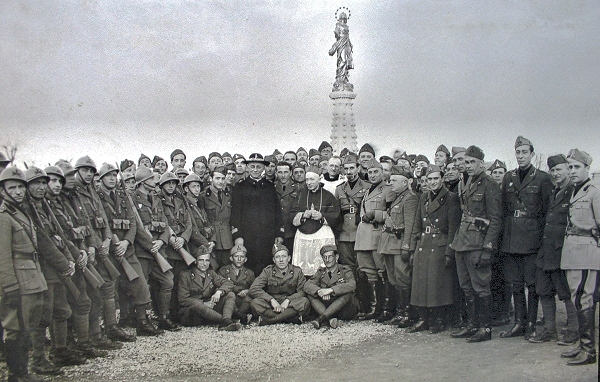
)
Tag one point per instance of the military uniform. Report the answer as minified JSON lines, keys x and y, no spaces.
{"x":201,"y":228}
{"x":349,"y":194}
{"x":218,"y":211}
{"x":242,"y":279}
{"x":343,"y":304}
{"x":287,"y":194}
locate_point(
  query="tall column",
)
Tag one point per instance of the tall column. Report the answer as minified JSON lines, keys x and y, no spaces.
{"x":343,"y":127}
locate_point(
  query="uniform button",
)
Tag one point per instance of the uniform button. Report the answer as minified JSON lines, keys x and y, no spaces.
{"x":433,"y":235}
{"x":432,"y":250}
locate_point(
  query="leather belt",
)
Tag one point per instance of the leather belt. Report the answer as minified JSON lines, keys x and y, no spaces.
{"x":26,"y":256}
{"x":431,"y":230}
{"x":576,"y":231}
{"x":523,"y":214}
{"x":349,"y":210}
{"x":467,"y":219}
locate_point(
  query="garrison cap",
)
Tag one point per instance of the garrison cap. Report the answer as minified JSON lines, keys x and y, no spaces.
{"x":374,"y":164}
{"x":105,"y":169}
{"x":522,"y":141}
{"x":399,"y":170}
{"x":301,"y":149}
{"x":344,"y":151}
{"x":143,"y":156}
{"x":411,"y":158}
{"x":236,"y":157}
{"x":366,"y":148}
{"x":202,"y":250}
{"x":349,"y":159}
{"x":3,"y":159}
{"x":85,"y":161}
{"x":256,"y":158}
{"x":200,"y":159}
{"x":299,"y":165}
{"x":66,"y":167}
{"x":421,"y":158}
{"x":229,"y":167}
{"x":313,"y":152}
{"x":580,"y":156}
{"x":328,"y":248}
{"x":177,"y":152}
{"x":125,"y":164}
{"x":238,"y":248}
{"x":314,"y":169}
{"x":279,"y":248}
{"x":214,"y":154}
{"x":457,"y":149}
{"x":142,"y":174}
{"x":404,"y":156}
{"x":55,"y":170}
{"x":221,"y":169}
{"x":324,"y":145}
{"x":474,"y":152}
{"x":387,"y":159}
{"x":271,"y":159}
{"x":33,"y":173}
{"x":226,"y":155}
{"x":497,"y":164}
{"x":168,"y":176}
{"x":555,"y":160}
{"x":434,"y":168}
{"x":443,"y":149}
{"x":276,"y":152}
{"x":181,"y":171}
{"x":12,"y":173}
{"x":157,"y":159}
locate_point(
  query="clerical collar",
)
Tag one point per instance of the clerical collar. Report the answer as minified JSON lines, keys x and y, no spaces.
{"x":328,"y":177}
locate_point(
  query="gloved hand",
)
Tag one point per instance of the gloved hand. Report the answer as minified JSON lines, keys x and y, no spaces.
{"x":368,"y":217}
{"x":404,"y":256}
{"x":448,"y":261}
{"x":411,"y":261}
{"x":12,"y":299}
{"x":485,"y":259}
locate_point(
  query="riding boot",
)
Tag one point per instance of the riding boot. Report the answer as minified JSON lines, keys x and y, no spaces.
{"x":436,"y":324}
{"x":13,"y":358}
{"x":389,"y":304}
{"x":471,"y":327}
{"x":371,"y":303}
{"x":532,"y":308}
{"x":422,"y":323}
{"x":587,"y":354}
{"x":518,"y":328}
{"x":484,"y":314}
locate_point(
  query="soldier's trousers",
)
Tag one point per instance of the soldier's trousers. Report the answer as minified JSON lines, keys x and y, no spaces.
{"x":347,"y":254}
{"x":399,"y":272}
{"x":81,"y":307}
{"x":55,"y":313}
{"x":370,"y":262}
{"x":583,"y":285}
{"x":262,"y":307}
{"x":242,"y":304}
{"x":19,"y":321}
{"x":344,"y":307}
{"x":152,"y":272}
{"x":473,"y":280}
{"x":197,"y":313}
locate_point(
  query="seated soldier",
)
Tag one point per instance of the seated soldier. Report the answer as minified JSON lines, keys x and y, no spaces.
{"x":204,"y":296}
{"x":331,"y":290}
{"x":278,"y":292}
{"x":242,"y":278}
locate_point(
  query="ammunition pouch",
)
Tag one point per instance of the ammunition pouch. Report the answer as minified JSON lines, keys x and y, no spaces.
{"x":98,"y":223}
{"x":120,"y":224}
{"x":157,"y":227}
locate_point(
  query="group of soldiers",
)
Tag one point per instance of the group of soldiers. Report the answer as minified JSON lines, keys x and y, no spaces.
{"x":419,"y":245}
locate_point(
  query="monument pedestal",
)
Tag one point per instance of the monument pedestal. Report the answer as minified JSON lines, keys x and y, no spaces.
{"x":343,"y":132}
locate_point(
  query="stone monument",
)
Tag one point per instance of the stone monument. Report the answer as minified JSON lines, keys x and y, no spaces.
{"x":343,"y":132}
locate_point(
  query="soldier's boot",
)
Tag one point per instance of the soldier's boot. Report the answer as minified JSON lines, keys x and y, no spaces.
{"x":423,"y":322}
{"x":472,"y":326}
{"x":2,"y":357}
{"x":532,"y":308}
{"x":41,"y":365}
{"x":371,"y":303}
{"x":166,"y":324}
{"x":144,"y":327}
{"x":570,"y":335}
{"x":411,"y":315}
{"x":437,"y":320}
{"x":548,"y":332}
{"x":389,"y":304}
{"x":13,"y":359}
{"x":87,"y":350}
{"x":518,"y":329}
{"x":399,"y":311}
{"x":24,"y":360}
{"x":483,"y":305}
{"x":116,"y":333}
{"x":286,"y":315}
{"x":587,"y":355}
{"x":63,"y":356}
{"x":319,"y":322}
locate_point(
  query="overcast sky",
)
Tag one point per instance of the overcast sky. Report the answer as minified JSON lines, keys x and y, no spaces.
{"x":116,"y":78}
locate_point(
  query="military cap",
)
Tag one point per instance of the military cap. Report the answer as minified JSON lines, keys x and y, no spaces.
{"x":221,"y":169}
{"x":457,"y":149}
{"x":314,"y":169}
{"x":434,"y":168}
{"x":226,"y":155}
{"x":373,"y":164}
{"x":236,"y":157}
{"x":580,"y":156}
{"x":127,"y":175}
{"x":85,"y":161}
{"x":421,"y":158}
{"x":474,"y":152}
{"x":181,"y":171}
{"x":214,"y":154}
{"x":12,"y":173}
{"x":404,"y":156}
{"x":55,"y":170}
{"x":497,"y":164}
{"x":168,"y":176}
{"x":443,"y":149}
{"x":556,"y":160}
{"x":328,"y":248}
{"x":238,"y":248}
{"x":411,"y":158}
{"x":200,"y":159}
{"x":366,"y":148}
{"x":349,"y":159}
{"x":271,"y":159}
{"x":105,"y":169}
{"x":3,"y":159}
{"x":522,"y":142}
{"x":279,"y":248}
{"x":177,"y":152}
{"x":399,"y":170}
{"x":256,"y":158}
{"x":143,"y":156}
{"x":66,"y":167}
{"x":202,"y":250}
{"x":290,"y":152}
{"x":193,"y":177}
{"x":276,"y":152}
{"x":33,"y":173}
{"x":299,"y":165}
{"x":387,"y":159}
{"x":229,"y":167}
{"x":157,"y":159}
{"x":301,"y":149}
{"x":324,"y":145}
{"x":142,"y":174}
{"x":313,"y":152}
{"x":344,"y":152}
{"x":125,"y":164}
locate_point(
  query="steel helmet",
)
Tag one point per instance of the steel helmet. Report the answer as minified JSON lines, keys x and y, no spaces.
{"x":85,"y":161}
{"x":33,"y":173}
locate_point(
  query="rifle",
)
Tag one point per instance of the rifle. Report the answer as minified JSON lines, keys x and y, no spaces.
{"x":91,"y":278}
{"x":92,"y":270}
{"x":129,"y":271}
{"x":160,"y":259}
{"x":185,"y":255}
{"x":113,"y":272}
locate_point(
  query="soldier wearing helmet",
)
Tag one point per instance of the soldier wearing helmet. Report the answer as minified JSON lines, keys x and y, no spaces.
{"x":201,"y":229}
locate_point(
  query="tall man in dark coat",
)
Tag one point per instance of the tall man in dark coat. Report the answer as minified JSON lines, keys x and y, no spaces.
{"x":525,"y":195}
{"x":256,"y":218}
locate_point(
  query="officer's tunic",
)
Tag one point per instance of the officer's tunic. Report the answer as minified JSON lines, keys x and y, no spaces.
{"x":349,"y":196}
{"x":272,"y":283}
{"x":343,"y":284}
